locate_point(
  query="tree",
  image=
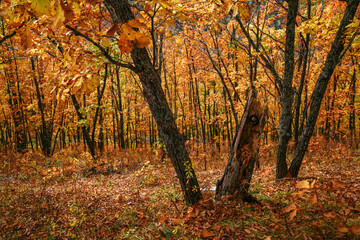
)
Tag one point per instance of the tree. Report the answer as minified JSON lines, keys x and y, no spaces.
{"x":336,"y":52}
{"x":155,"y":97}
{"x":243,"y":156}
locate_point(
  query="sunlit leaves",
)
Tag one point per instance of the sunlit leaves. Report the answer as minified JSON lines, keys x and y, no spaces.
{"x":131,"y":33}
{"x":42,"y":6}
{"x":25,"y":37}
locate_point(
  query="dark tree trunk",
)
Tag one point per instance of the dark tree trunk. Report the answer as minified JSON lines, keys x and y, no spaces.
{"x":331,"y":61}
{"x":14,"y":102}
{"x":100,"y":93}
{"x":155,"y":97}
{"x":85,"y":129}
{"x":244,"y":153}
{"x":45,"y":132}
{"x":352,"y":117}
{"x":287,"y":91}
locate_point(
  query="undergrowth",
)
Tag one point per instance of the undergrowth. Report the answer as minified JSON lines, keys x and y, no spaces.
{"x":56,"y":197}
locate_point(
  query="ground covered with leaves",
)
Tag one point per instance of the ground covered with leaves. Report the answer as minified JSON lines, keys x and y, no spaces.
{"x":135,"y":195}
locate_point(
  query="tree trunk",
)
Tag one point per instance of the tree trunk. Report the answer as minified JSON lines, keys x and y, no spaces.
{"x":155,"y":97}
{"x":85,"y":129}
{"x":287,"y":91}
{"x":45,"y":132}
{"x":331,"y":61}
{"x":238,"y":172}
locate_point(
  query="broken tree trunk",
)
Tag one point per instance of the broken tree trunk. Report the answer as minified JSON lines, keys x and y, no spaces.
{"x":244,"y":153}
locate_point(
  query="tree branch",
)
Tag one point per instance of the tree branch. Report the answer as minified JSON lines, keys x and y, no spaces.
{"x":103,"y":50}
{"x":7,"y":37}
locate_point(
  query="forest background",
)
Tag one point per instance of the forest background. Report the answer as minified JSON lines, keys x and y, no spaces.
{"x":100,"y":99}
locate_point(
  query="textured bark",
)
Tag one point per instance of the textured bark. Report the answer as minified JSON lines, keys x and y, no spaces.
{"x":45,"y":132}
{"x":331,"y":61}
{"x":155,"y":97}
{"x":238,"y":172}
{"x":287,"y":92}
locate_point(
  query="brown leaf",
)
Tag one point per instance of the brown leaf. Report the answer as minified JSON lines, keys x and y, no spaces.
{"x":338,"y":184}
{"x":313,"y":199}
{"x":343,"y":229}
{"x":290,"y":208}
{"x":125,"y":45}
{"x":355,"y":229}
{"x":292,"y":215}
{"x":329,"y":215}
{"x":142,"y":40}
{"x":177,"y":221}
{"x":112,"y":30}
{"x":206,"y":234}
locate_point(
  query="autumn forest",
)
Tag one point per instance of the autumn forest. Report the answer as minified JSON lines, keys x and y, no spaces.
{"x":179,"y":119}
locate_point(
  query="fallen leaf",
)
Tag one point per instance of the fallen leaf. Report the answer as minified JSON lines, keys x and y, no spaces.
{"x":313,"y":199}
{"x":177,"y":221}
{"x":290,"y":208}
{"x":206,"y":234}
{"x":329,"y":215}
{"x":162,"y":219}
{"x":355,"y":229}
{"x":303,"y":184}
{"x":343,"y":229}
{"x":292,"y":215}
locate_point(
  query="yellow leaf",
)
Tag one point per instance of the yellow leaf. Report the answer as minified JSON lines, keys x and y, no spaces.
{"x":41,"y":7}
{"x":244,"y":11}
{"x":59,"y":16}
{"x":136,"y":23}
{"x":78,"y":84}
{"x":105,"y":43}
{"x":303,"y":184}
{"x":128,"y":32}
{"x":307,"y":29}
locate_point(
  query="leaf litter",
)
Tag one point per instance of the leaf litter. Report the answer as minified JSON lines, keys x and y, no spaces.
{"x":43,"y":198}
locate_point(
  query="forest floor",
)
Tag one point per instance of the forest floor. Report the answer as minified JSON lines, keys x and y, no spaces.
{"x":57,"y":198}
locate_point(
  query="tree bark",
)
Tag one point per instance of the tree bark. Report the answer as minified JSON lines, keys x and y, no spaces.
{"x":331,"y":61}
{"x":155,"y":97}
{"x":287,"y":92}
{"x":243,"y":156}
{"x":45,"y":132}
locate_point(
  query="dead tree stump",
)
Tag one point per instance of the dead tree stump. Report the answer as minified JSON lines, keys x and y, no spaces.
{"x":244,"y":153}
